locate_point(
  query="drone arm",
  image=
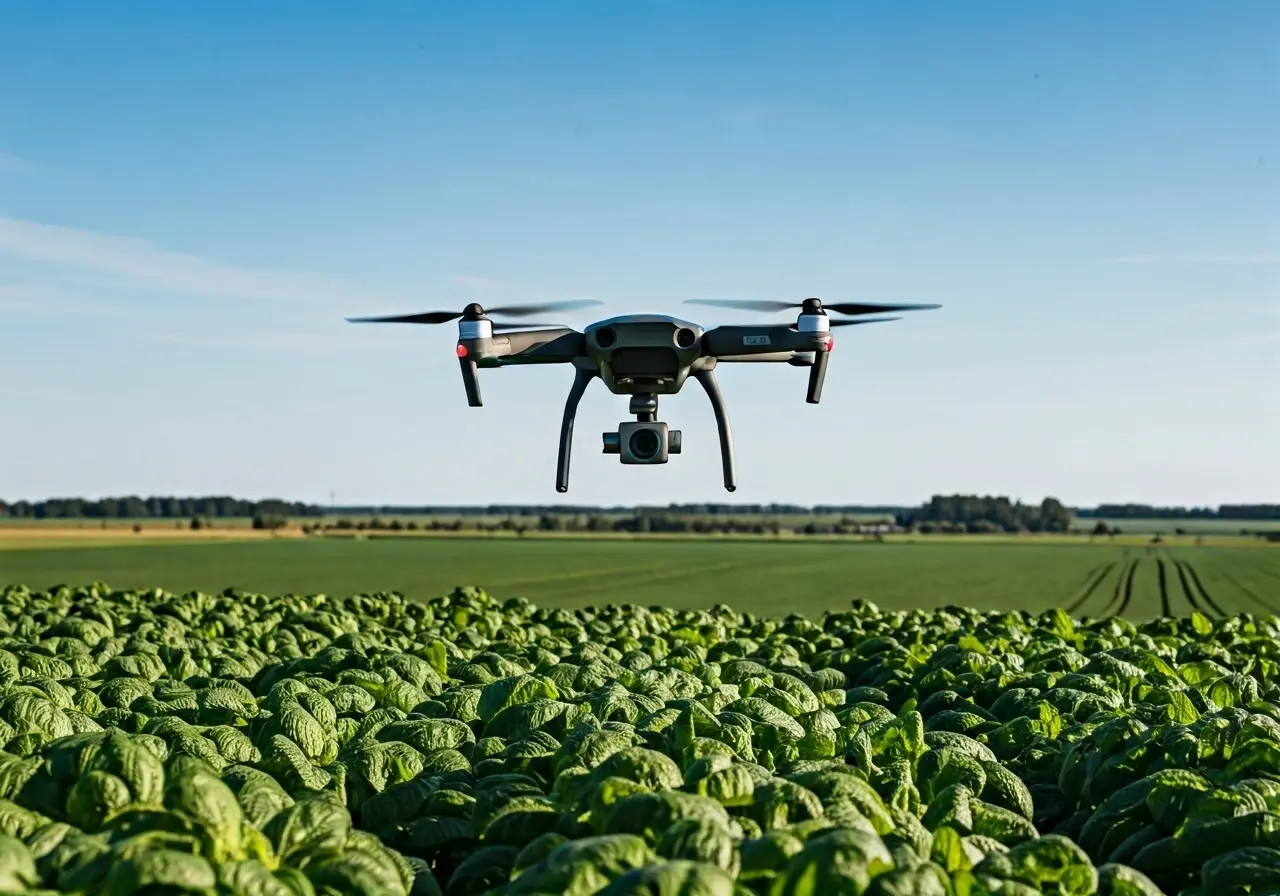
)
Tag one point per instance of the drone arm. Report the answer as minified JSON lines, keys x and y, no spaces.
{"x":781,"y":343}
{"x":707,"y":378}
{"x":774,"y":357}
{"x":582,"y":378}
{"x":550,"y":346}
{"x":736,"y":341}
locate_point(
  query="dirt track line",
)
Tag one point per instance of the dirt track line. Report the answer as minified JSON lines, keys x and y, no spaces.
{"x":1095,"y":578}
{"x":1187,"y":589}
{"x":1127,"y":594}
{"x":1266,"y":571}
{"x":1251,"y":594}
{"x":1162,"y":574}
{"x":1204,"y":592}
{"x":1120,"y":594}
{"x":1117,"y":591}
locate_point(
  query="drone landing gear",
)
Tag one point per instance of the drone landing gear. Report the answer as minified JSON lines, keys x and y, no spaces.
{"x":581,"y":379}
{"x":706,"y":377}
{"x":646,"y":441}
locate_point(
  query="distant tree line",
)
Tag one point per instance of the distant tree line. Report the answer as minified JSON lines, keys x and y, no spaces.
{"x":635,"y":522}
{"x":136,"y":508}
{"x":942,"y":513}
{"x":985,"y":513}
{"x":537,"y":510}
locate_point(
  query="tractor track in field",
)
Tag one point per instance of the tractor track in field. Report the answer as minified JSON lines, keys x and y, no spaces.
{"x":1251,"y":594}
{"x":1187,"y":588}
{"x":1162,"y":574}
{"x":1092,"y":581}
{"x":1204,"y":592}
{"x":1127,"y":592}
{"x":1269,"y":573}
{"x":1123,"y":592}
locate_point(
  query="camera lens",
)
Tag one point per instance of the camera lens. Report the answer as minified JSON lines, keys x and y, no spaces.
{"x":644,"y":444}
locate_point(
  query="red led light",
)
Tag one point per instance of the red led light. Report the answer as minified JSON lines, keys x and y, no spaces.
{"x":831,"y":343}
{"x":462,"y":350}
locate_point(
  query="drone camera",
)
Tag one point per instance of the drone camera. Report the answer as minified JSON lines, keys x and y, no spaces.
{"x":642,"y":443}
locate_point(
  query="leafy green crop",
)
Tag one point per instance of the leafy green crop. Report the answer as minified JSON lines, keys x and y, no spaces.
{"x":245,"y":745}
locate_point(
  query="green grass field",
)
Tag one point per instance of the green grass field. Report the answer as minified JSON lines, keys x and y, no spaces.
{"x":1145,"y":526}
{"x":763,"y":577}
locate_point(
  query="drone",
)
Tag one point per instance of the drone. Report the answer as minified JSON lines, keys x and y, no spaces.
{"x":644,"y":356}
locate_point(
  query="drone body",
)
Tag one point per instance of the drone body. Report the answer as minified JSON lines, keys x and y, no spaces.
{"x":644,"y":356}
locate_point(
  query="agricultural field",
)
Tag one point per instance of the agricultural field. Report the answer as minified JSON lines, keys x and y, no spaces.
{"x":243,"y":744}
{"x":1145,"y":526}
{"x":758,"y":576}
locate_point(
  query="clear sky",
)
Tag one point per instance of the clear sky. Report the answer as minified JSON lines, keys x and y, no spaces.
{"x":193,"y":197}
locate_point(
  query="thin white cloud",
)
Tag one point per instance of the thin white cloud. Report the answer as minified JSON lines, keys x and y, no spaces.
{"x":1262,"y":338}
{"x":283,"y":341}
{"x":142,"y":263}
{"x":40,"y":300}
{"x":1227,"y":259}
{"x":1266,"y":308}
{"x":10,"y":162}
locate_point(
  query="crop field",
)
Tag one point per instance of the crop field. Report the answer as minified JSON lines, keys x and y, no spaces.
{"x":761,"y":577}
{"x":1149,"y":526}
{"x":242,"y":744}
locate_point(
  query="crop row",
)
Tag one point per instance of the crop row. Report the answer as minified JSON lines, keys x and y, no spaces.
{"x":1158,"y":582}
{"x":307,"y":746}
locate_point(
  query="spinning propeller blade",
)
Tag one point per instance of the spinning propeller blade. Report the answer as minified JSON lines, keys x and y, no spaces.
{"x":852,"y":308}
{"x":497,"y":328}
{"x":426,"y":317}
{"x":854,"y":323}
{"x":545,"y":308}
{"x":442,"y":317}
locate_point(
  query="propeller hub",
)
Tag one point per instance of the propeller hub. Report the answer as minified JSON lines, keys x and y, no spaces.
{"x":475,"y":327}
{"x":816,"y":322}
{"x":811,"y":306}
{"x":473,"y":312}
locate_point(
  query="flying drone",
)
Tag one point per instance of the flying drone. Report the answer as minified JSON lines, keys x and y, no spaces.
{"x":644,"y":356}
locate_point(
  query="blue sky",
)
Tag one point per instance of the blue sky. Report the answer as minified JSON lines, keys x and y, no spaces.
{"x":193,"y":196}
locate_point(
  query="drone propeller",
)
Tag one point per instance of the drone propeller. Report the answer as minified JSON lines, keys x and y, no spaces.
{"x":854,"y":323}
{"x":443,"y":317}
{"x":852,"y":308}
{"x":501,"y":327}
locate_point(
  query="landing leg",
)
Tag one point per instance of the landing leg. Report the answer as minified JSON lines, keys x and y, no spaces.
{"x":582,"y":378}
{"x":707,"y":378}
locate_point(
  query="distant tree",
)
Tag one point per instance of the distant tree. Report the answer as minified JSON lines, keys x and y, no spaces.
{"x":269,"y":521}
{"x":1101,"y":528}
